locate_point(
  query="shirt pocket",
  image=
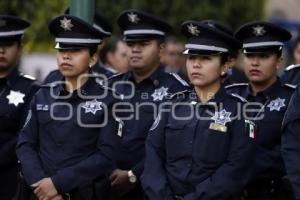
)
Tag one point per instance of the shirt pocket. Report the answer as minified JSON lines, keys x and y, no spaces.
{"x":177,"y":141}
{"x":213,"y":146}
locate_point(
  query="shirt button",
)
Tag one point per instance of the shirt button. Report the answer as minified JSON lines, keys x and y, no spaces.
{"x":189,"y":164}
{"x":59,"y":144}
{"x":191,"y":142}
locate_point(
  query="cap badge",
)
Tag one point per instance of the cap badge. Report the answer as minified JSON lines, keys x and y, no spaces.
{"x":259,"y":30}
{"x":133,"y":18}
{"x":193,"y":30}
{"x":66,"y":24}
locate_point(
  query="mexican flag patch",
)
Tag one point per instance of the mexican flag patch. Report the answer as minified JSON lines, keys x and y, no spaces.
{"x":251,"y":129}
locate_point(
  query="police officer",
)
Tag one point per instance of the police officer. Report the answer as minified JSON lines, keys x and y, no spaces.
{"x":291,"y":74}
{"x":200,"y":146}
{"x":16,"y":90}
{"x":290,"y":142}
{"x":70,"y":136}
{"x":105,"y":31}
{"x":143,"y":89}
{"x":262,"y":49}
{"x":234,"y":74}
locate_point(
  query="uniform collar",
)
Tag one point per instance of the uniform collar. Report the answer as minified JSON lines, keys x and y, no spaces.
{"x":12,"y":77}
{"x":216,"y":99}
{"x":85,"y":89}
{"x":271,"y":91}
{"x":155,"y":77}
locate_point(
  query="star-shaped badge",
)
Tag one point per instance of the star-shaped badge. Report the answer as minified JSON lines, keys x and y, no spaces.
{"x":159,"y":94}
{"x":92,"y":106}
{"x":133,"y":18}
{"x":276,"y":104}
{"x":15,"y":97}
{"x":259,"y":30}
{"x":222,"y":117}
{"x":66,"y":24}
{"x":193,"y":30}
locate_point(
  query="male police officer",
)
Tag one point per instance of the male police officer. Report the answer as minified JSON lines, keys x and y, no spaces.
{"x":146,"y":83}
{"x":262,"y":48}
{"x":16,"y":90}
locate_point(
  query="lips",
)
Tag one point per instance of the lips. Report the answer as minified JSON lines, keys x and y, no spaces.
{"x":196,"y":74}
{"x":66,"y":66}
{"x":254,"y":72}
{"x":135,"y":58}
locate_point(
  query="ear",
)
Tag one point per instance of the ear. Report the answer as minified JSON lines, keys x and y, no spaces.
{"x":279,"y":62}
{"x":162,"y":47}
{"x":93,"y":59}
{"x":226,"y":66}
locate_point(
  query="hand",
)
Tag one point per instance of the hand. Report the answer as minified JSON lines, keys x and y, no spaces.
{"x":45,"y":189}
{"x":119,"y":181}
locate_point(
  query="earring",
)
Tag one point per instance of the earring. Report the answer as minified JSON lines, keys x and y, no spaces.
{"x":223,"y":73}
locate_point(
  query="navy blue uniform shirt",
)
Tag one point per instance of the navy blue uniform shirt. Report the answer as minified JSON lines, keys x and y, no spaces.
{"x":198,"y":151}
{"x":144,"y":98}
{"x":70,"y":137}
{"x":268,"y":116}
{"x":291,"y":75}
{"x":291,"y":142}
{"x":16,"y":91}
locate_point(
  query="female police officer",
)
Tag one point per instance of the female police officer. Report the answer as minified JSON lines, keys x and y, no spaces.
{"x":201,"y":149}
{"x":70,"y":136}
{"x":262,"y":49}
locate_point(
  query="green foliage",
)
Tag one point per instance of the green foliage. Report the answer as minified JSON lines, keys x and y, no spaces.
{"x":230,"y":12}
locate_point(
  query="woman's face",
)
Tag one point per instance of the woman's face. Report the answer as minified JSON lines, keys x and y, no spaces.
{"x":261,"y":67}
{"x":74,"y":62}
{"x":204,"y":70}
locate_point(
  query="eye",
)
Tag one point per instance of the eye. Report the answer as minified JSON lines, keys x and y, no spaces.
{"x":192,"y":57}
{"x":206,"y":57}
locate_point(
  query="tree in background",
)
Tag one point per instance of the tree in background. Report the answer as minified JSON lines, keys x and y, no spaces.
{"x":40,"y":13}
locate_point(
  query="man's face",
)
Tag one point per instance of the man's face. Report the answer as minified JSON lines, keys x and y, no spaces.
{"x":119,"y":58}
{"x":173,"y":56}
{"x":10,"y":53}
{"x":144,"y":54}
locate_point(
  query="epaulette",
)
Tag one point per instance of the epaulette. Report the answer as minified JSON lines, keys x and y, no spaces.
{"x":238,"y":97}
{"x":178,"y":78}
{"x":236,"y":85}
{"x":290,"y":86}
{"x":291,"y":67}
{"x":28,"y":77}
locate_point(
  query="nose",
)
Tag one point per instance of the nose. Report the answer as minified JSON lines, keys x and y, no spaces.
{"x":136,"y":47}
{"x":255,"y":61}
{"x":196,"y":63}
{"x":2,"y":49}
{"x":66,"y":55}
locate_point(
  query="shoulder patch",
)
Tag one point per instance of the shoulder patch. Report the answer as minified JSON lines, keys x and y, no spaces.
{"x":28,"y":77}
{"x":178,"y":78}
{"x":291,"y":67}
{"x":290,"y":86}
{"x":238,"y":97}
{"x":236,"y":85}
